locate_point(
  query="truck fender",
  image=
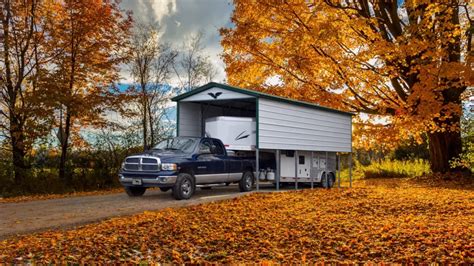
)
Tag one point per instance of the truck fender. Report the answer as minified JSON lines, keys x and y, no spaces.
{"x":188,"y":171}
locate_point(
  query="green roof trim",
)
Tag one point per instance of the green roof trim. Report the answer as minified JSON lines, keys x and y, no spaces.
{"x":256,"y":94}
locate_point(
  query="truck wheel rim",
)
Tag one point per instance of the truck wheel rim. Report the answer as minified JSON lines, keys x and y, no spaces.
{"x":186,"y":187}
{"x":248,"y":182}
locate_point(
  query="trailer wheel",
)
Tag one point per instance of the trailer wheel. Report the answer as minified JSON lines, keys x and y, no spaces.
{"x":324,"y":180}
{"x":246,"y":183}
{"x":135,"y":191}
{"x":327,"y":180}
{"x":184,"y":187}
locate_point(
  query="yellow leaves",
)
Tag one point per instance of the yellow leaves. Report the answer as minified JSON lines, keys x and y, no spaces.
{"x":379,"y":223}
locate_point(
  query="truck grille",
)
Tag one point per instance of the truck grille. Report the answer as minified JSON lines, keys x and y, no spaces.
{"x":139,"y":163}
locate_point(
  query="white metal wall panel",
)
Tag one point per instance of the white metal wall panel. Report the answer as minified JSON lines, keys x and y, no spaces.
{"x":189,"y":120}
{"x":288,"y":126}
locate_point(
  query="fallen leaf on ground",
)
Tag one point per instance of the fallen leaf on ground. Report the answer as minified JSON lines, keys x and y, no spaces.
{"x":365,"y":224}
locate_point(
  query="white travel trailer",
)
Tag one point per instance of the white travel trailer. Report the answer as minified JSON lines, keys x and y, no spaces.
{"x":237,"y":133}
{"x":293,"y":141}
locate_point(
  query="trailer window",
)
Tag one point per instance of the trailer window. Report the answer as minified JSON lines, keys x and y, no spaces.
{"x":301,"y":159}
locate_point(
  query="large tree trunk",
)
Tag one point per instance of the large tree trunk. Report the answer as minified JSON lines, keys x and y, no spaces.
{"x":444,"y":146}
{"x":64,"y":148}
{"x":18,"y":151}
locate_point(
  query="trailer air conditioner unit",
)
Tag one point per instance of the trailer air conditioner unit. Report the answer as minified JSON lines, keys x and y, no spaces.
{"x":237,"y":133}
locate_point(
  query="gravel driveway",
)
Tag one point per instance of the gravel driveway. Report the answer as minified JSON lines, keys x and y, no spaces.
{"x":40,"y":215}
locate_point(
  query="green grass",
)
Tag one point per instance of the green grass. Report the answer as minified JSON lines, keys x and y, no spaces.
{"x":394,"y":169}
{"x":386,"y":169}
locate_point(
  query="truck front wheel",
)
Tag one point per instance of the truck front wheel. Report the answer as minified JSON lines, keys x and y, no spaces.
{"x":246,"y":183}
{"x":135,"y":191}
{"x":184,"y":187}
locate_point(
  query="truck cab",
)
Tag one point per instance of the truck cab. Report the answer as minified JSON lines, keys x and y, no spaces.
{"x":181,"y":164}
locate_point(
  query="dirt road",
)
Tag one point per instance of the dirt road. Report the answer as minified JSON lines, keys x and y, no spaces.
{"x":26,"y":217}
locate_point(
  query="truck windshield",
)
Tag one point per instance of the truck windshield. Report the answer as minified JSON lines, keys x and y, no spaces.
{"x":177,"y":144}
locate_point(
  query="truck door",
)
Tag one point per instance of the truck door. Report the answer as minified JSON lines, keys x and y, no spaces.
{"x":210,"y":165}
{"x":233,"y":166}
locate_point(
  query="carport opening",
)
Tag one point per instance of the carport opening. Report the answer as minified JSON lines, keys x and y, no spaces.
{"x":228,"y":108}
{"x":193,"y":114}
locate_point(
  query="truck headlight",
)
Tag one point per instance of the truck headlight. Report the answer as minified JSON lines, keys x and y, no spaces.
{"x":123,"y":166}
{"x":169,"y":167}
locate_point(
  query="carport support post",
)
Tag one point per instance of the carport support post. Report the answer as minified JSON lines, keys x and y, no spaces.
{"x":278,"y":171}
{"x":350,"y":169}
{"x":257,"y":165}
{"x":296,"y":169}
{"x":311,"y":172}
{"x":338,"y":158}
{"x":326,"y":170}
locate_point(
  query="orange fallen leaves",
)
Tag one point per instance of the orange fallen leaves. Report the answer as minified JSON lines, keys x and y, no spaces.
{"x":364,"y":224}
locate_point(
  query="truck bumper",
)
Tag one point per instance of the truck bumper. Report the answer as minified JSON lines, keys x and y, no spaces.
{"x":158,"y":181}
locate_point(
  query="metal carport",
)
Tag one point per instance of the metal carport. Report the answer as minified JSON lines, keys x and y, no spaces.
{"x":281,"y":124}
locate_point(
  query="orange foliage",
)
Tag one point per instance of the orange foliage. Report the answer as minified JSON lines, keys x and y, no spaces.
{"x":87,"y":42}
{"x":364,"y":224}
{"x":403,"y":64}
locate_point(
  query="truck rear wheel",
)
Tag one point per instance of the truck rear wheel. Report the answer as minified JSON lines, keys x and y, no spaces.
{"x":135,"y":191}
{"x":184,"y":187}
{"x":246,"y":183}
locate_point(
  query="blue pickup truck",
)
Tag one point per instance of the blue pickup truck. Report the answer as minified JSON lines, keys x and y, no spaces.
{"x":181,"y":164}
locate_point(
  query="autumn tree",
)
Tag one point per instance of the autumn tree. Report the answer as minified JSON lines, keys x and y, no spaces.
{"x":402,"y":65}
{"x":91,"y":36}
{"x":21,"y":114}
{"x":152,"y":63}
{"x":195,"y":68}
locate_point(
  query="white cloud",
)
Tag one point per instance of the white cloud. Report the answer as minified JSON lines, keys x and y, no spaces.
{"x":163,"y":8}
{"x":151,"y":10}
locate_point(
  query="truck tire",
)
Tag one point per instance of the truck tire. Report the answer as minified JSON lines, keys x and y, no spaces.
{"x":331,"y":180}
{"x":184,"y":187}
{"x":164,"y":189}
{"x":246,"y":183}
{"x":135,"y":191}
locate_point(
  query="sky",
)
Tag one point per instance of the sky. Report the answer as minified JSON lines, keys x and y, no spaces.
{"x":181,"y":18}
